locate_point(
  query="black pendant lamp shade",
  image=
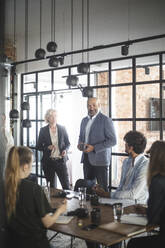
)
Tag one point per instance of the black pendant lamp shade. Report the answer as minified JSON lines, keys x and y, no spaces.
{"x":53,"y":62}
{"x":72,"y":80}
{"x":25,"y":106}
{"x":87,"y":92}
{"x":51,"y":46}
{"x":26,"y":123}
{"x":40,"y":53}
{"x":14,"y":114}
{"x":83,"y":68}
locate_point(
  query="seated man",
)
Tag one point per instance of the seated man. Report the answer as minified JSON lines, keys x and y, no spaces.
{"x":134,"y":170}
{"x":133,"y":182}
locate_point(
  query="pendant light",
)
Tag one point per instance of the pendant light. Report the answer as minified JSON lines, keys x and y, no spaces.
{"x":83,"y":67}
{"x":40,"y":53}
{"x":72,"y":80}
{"x":52,"y":45}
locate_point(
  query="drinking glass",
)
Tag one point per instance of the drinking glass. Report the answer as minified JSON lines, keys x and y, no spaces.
{"x":82,"y":196}
{"x":117,"y":211}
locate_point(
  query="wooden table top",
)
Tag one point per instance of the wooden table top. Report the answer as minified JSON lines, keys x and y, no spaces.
{"x":98,"y":235}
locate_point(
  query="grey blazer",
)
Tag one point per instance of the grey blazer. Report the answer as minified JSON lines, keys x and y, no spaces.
{"x":102,"y":137}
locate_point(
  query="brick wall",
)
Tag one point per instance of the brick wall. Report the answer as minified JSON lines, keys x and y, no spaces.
{"x":122,"y":106}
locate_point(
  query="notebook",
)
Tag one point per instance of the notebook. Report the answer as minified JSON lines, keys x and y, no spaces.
{"x":123,"y":229}
{"x":134,"y":219}
{"x":62,"y":219}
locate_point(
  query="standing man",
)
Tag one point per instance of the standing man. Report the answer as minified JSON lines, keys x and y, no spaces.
{"x":54,"y":142}
{"x":97,"y":136}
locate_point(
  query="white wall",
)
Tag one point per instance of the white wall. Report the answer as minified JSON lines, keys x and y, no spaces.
{"x":110,"y":21}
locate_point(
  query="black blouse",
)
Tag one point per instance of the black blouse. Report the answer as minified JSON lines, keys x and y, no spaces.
{"x":156,"y":203}
{"x":31,"y":206}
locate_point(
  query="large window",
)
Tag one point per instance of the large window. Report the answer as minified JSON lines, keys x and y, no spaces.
{"x":130,"y":89}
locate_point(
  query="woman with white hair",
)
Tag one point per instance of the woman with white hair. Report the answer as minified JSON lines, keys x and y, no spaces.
{"x":54,"y":142}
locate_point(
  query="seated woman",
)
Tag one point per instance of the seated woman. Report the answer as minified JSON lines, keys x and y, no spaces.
{"x":28,"y":210}
{"x":156,"y":201}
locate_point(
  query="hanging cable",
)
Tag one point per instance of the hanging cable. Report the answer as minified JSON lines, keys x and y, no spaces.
{"x":26,"y":33}
{"x":87,"y":29}
{"x":82,"y":30}
{"x":128,"y":18}
{"x":84,"y":67}
{"x":14,"y":36}
{"x":72,"y":31}
{"x":40,"y":53}
{"x":54,"y":19}
{"x":52,"y":46}
{"x":40,"y":21}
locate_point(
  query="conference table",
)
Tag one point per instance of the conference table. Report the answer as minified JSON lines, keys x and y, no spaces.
{"x":104,"y":237}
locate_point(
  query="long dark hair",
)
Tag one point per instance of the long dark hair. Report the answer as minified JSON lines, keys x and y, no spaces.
{"x":17,"y":157}
{"x":157,"y":160}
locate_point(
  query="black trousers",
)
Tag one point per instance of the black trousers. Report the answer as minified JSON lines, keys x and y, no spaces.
{"x":50,"y":167}
{"x":147,"y":241}
{"x":92,"y":172}
{"x":17,"y":240}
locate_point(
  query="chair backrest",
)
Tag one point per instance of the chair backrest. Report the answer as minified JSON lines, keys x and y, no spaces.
{"x":84,"y":183}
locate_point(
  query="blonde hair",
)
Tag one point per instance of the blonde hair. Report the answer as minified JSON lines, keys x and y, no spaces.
{"x":48,"y":114}
{"x":157,"y":160}
{"x":17,"y":157}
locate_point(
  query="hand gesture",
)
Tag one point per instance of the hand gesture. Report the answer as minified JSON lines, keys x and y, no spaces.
{"x":100,"y":191}
{"x":63,"y":153}
{"x":80,"y":146}
{"x":51,"y":147}
{"x":89,"y":148}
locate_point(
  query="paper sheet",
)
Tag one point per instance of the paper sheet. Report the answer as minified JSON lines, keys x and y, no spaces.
{"x":110,"y":201}
{"x":134,"y":219}
{"x":62,"y":219}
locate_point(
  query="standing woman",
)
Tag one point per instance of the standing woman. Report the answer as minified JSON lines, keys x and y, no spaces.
{"x":156,"y":201}
{"x":28,"y":210}
{"x":54,"y":142}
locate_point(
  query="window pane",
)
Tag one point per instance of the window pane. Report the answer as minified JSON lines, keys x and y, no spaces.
{"x":103,"y":96}
{"x":122,"y":71}
{"x":44,"y":103}
{"x":34,"y":162}
{"x":99,"y":74}
{"x":163,"y":74}
{"x":44,"y":81}
{"x":32,"y":134}
{"x":117,"y":162}
{"x":60,"y":77}
{"x":146,"y":101}
{"x":32,"y":111}
{"x":163,"y":130}
{"x":24,"y":136}
{"x":144,"y":127}
{"x":121,"y":128}
{"x":29,"y":83}
{"x":122,"y":102}
{"x":147,"y":68}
